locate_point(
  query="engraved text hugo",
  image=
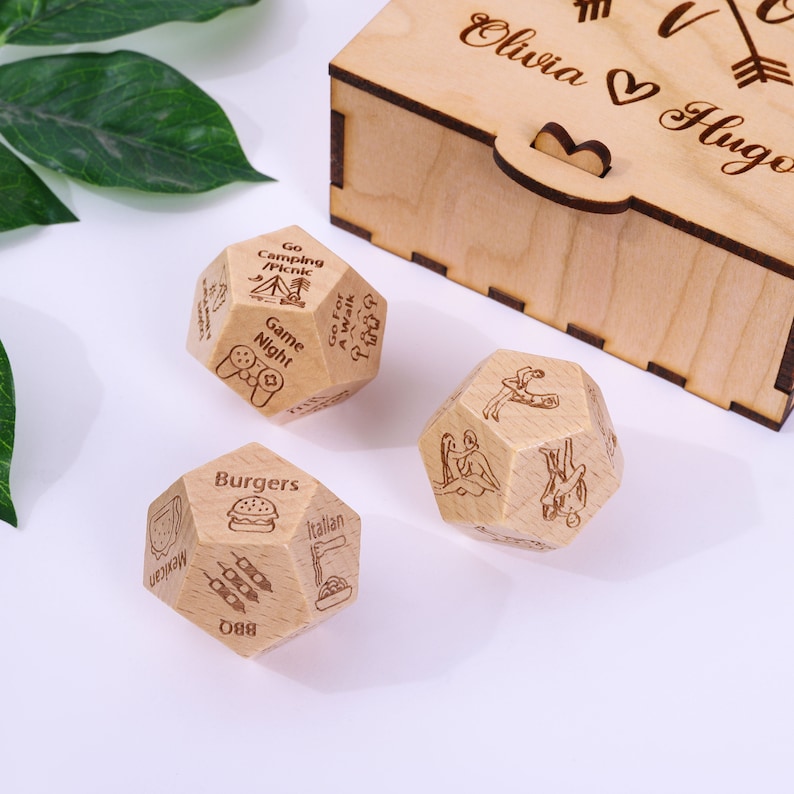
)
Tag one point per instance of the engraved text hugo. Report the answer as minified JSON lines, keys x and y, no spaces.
{"x":713,"y":125}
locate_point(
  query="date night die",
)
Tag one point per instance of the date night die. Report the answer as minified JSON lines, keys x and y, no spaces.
{"x":523,"y":452}
{"x":252,"y":549}
{"x":287,"y":324}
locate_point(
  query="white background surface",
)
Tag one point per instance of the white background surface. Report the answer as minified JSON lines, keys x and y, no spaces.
{"x":653,"y":655}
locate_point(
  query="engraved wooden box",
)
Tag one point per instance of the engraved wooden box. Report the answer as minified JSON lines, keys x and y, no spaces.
{"x":679,"y":258}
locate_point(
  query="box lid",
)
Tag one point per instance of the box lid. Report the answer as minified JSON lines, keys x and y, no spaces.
{"x":693,"y":101}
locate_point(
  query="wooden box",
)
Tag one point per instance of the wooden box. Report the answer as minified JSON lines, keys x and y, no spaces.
{"x":679,"y":258}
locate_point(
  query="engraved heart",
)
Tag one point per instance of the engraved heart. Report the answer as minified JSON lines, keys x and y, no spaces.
{"x":590,"y":156}
{"x":624,"y":88}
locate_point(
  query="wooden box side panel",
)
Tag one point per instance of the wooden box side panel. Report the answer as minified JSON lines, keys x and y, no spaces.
{"x":657,"y":84}
{"x":653,"y":295}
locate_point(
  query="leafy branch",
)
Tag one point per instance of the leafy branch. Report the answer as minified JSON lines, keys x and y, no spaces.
{"x":119,"y":120}
{"x":47,"y":22}
{"x":7,"y":421}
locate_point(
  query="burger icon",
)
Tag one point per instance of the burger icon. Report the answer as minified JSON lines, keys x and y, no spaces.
{"x":253,"y":514}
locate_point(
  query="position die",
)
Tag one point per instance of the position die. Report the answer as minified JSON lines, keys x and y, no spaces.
{"x":287,"y":324}
{"x":523,"y":452}
{"x":252,"y":549}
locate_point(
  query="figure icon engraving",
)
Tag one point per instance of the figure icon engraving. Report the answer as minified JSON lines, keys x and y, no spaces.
{"x":369,"y":335}
{"x":355,"y":325}
{"x":467,"y":470}
{"x":566,"y":491}
{"x":515,"y":389}
{"x":370,"y":321}
{"x":164,"y":527}
{"x":263,"y":380}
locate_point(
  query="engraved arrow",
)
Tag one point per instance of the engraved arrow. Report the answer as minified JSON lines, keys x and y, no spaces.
{"x":756,"y":66}
{"x":596,"y":7}
{"x":674,"y":21}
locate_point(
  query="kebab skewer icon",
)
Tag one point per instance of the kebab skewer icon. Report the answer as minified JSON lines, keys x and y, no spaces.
{"x":334,"y":590}
{"x":226,"y":593}
{"x":258,"y":578}
{"x":243,"y":588}
{"x":231,"y":576}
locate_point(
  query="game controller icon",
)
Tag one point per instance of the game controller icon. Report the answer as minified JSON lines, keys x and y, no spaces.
{"x":263,"y":380}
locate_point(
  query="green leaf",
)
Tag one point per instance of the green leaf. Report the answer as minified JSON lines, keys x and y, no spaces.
{"x":7,"y":420}
{"x":24,"y":199}
{"x":120,"y":119}
{"x":46,"y":22}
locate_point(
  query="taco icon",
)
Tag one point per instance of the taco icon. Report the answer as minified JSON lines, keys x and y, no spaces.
{"x":164,"y":527}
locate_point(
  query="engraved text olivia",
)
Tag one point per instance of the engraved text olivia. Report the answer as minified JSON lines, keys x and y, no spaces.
{"x":487,"y":32}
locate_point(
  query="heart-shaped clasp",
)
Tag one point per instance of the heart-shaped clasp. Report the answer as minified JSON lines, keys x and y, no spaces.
{"x":524,"y":157}
{"x":591,"y":156}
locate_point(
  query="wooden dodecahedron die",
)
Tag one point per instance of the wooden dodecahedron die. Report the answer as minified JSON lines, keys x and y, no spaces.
{"x":523,"y":452}
{"x":252,"y":549}
{"x":287,"y":324}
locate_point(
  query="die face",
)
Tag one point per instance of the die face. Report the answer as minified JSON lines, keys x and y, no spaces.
{"x":523,"y":396}
{"x":467,"y":467}
{"x":247,"y":595}
{"x":601,"y":421}
{"x":558,"y":486}
{"x":249,"y":495}
{"x":272,"y":359}
{"x":326,"y":548}
{"x":523,"y":452}
{"x":351,"y":322}
{"x":170,"y":543}
{"x":212,"y":301}
{"x":285,"y":268}
{"x":262,"y":550}
{"x":298,"y":329}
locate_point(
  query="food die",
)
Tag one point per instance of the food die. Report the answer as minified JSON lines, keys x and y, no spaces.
{"x":252,"y":549}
